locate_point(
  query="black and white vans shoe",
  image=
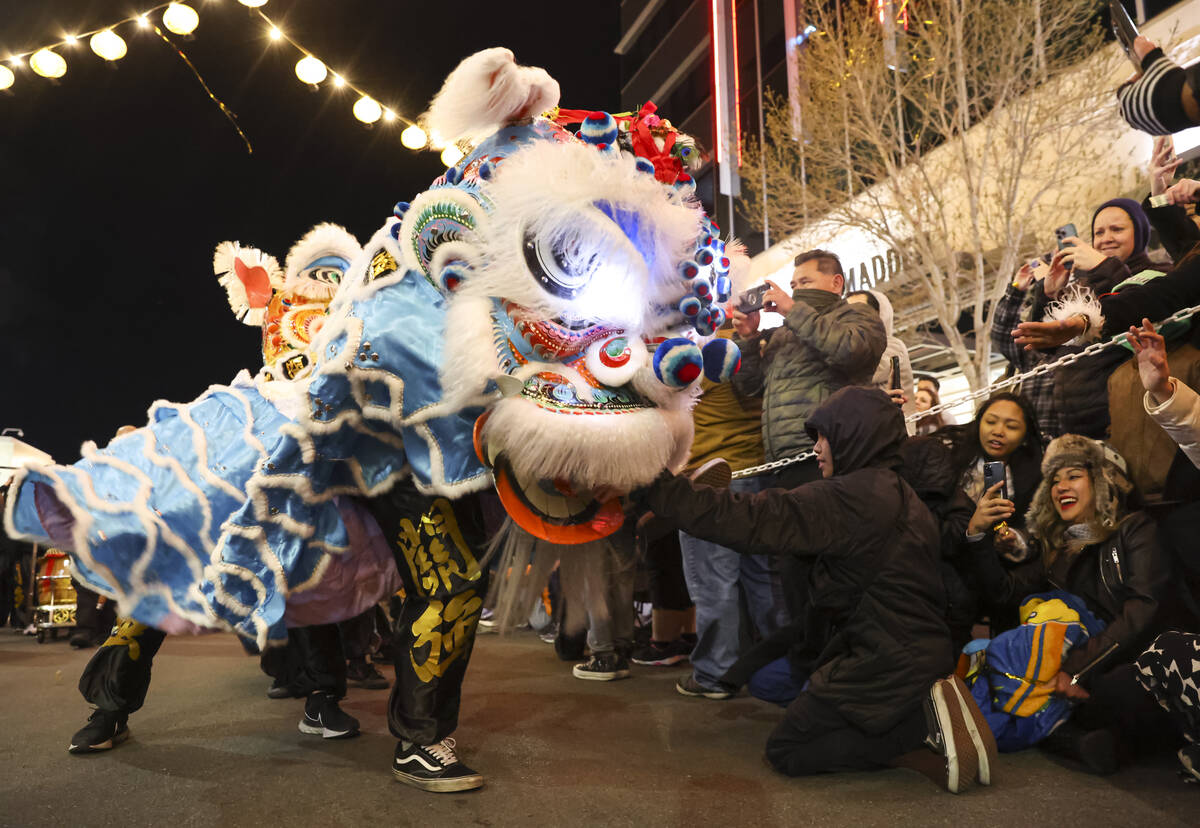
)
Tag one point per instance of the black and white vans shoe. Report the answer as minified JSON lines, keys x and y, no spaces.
{"x":323,"y":717}
{"x":433,"y":768}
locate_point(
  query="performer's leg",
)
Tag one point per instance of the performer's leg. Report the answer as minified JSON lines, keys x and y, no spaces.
{"x":357,"y":633}
{"x":115,"y":681}
{"x":322,"y":678}
{"x":435,"y":543}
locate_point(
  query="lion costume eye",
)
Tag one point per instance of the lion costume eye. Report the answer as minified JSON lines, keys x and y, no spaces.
{"x":563,"y":273}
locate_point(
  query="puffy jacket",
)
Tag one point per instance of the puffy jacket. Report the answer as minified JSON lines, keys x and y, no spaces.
{"x":874,"y":636}
{"x":802,"y":363}
{"x":1123,"y":580}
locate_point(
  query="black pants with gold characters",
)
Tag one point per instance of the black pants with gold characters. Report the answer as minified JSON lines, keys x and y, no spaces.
{"x":118,"y":674}
{"x":437,"y":543}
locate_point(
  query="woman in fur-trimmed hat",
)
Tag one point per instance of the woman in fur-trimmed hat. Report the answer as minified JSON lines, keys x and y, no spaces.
{"x":1094,"y":546}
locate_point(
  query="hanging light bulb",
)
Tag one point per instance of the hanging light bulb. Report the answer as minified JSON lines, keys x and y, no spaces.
{"x":16,"y":62}
{"x":108,"y":45}
{"x":48,"y":64}
{"x":414,"y":137}
{"x":388,"y":116}
{"x":70,"y":40}
{"x":311,"y":70}
{"x":451,"y":155}
{"x":339,"y":81}
{"x":6,"y":77}
{"x":143,"y":21}
{"x":275,"y":34}
{"x":180,"y":19}
{"x":254,"y":4}
{"x":367,"y":110}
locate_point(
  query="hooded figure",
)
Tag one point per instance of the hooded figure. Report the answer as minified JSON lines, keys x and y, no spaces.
{"x":895,"y":348}
{"x":874,"y":638}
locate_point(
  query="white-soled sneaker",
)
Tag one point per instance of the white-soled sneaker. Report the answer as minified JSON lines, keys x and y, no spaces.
{"x":323,"y":717}
{"x":433,"y":768}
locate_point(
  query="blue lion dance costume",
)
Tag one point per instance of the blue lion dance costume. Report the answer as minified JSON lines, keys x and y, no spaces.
{"x":537,"y":320}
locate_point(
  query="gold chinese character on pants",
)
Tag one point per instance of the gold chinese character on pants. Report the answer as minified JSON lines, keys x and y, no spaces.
{"x":447,"y":629}
{"x":436,"y":551}
{"x":125,"y":634}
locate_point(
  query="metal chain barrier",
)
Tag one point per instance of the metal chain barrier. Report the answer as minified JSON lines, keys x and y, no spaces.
{"x":1016,"y":379}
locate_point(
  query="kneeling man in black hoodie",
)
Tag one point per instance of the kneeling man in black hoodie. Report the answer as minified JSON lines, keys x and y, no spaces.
{"x":875,"y":649}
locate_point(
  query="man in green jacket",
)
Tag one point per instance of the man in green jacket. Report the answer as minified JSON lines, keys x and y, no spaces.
{"x":823,"y":345}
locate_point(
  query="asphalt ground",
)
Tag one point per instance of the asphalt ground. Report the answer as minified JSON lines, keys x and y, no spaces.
{"x":210,"y":749}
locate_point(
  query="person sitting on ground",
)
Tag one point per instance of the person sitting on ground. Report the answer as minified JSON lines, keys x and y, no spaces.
{"x":883,"y":379}
{"x":1092,"y":544}
{"x":1004,"y":430}
{"x":875,"y":647}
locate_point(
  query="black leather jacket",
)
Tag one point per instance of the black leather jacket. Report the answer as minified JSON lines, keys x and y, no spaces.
{"x":1123,"y":580}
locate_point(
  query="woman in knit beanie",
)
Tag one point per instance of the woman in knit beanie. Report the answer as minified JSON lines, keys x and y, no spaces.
{"x":1120,"y":235}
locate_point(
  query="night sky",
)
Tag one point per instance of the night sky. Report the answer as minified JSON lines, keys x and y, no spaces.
{"x":117,"y":183}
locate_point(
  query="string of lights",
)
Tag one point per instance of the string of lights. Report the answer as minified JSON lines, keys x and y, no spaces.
{"x":182,"y":20}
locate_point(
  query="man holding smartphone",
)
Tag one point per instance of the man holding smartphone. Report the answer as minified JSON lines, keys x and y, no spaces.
{"x":824,"y":344}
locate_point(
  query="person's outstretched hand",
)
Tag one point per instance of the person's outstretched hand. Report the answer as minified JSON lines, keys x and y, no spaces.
{"x":1041,"y":335}
{"x":1186,"y":191}
{"x":1163,"y":164}
{"x":1151,"y":351}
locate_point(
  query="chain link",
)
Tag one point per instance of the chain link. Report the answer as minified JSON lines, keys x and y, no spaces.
{"x":987,"y":391}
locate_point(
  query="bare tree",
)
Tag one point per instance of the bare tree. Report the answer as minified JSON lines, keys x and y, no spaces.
{"x":995,"y":127}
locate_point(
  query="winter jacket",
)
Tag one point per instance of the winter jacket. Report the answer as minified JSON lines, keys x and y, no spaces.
{"x":810,"y":356}
{"x":1179,"y":417}
{"x":874,"y":637}
{"x":895,"y":347}
{"x":1160,"y":470}
{"x":1123,"y":580}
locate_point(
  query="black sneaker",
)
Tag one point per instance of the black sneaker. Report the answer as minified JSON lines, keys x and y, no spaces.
{"x":104,"y":731}
{"x":690,"y":687}
{"x":434,"y":768}
{"x":949,"y":737}
{"x":662,"y":653}
{"x":362,"y":674}
{"x":602,"y":667}
{"x":323,"y":717}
